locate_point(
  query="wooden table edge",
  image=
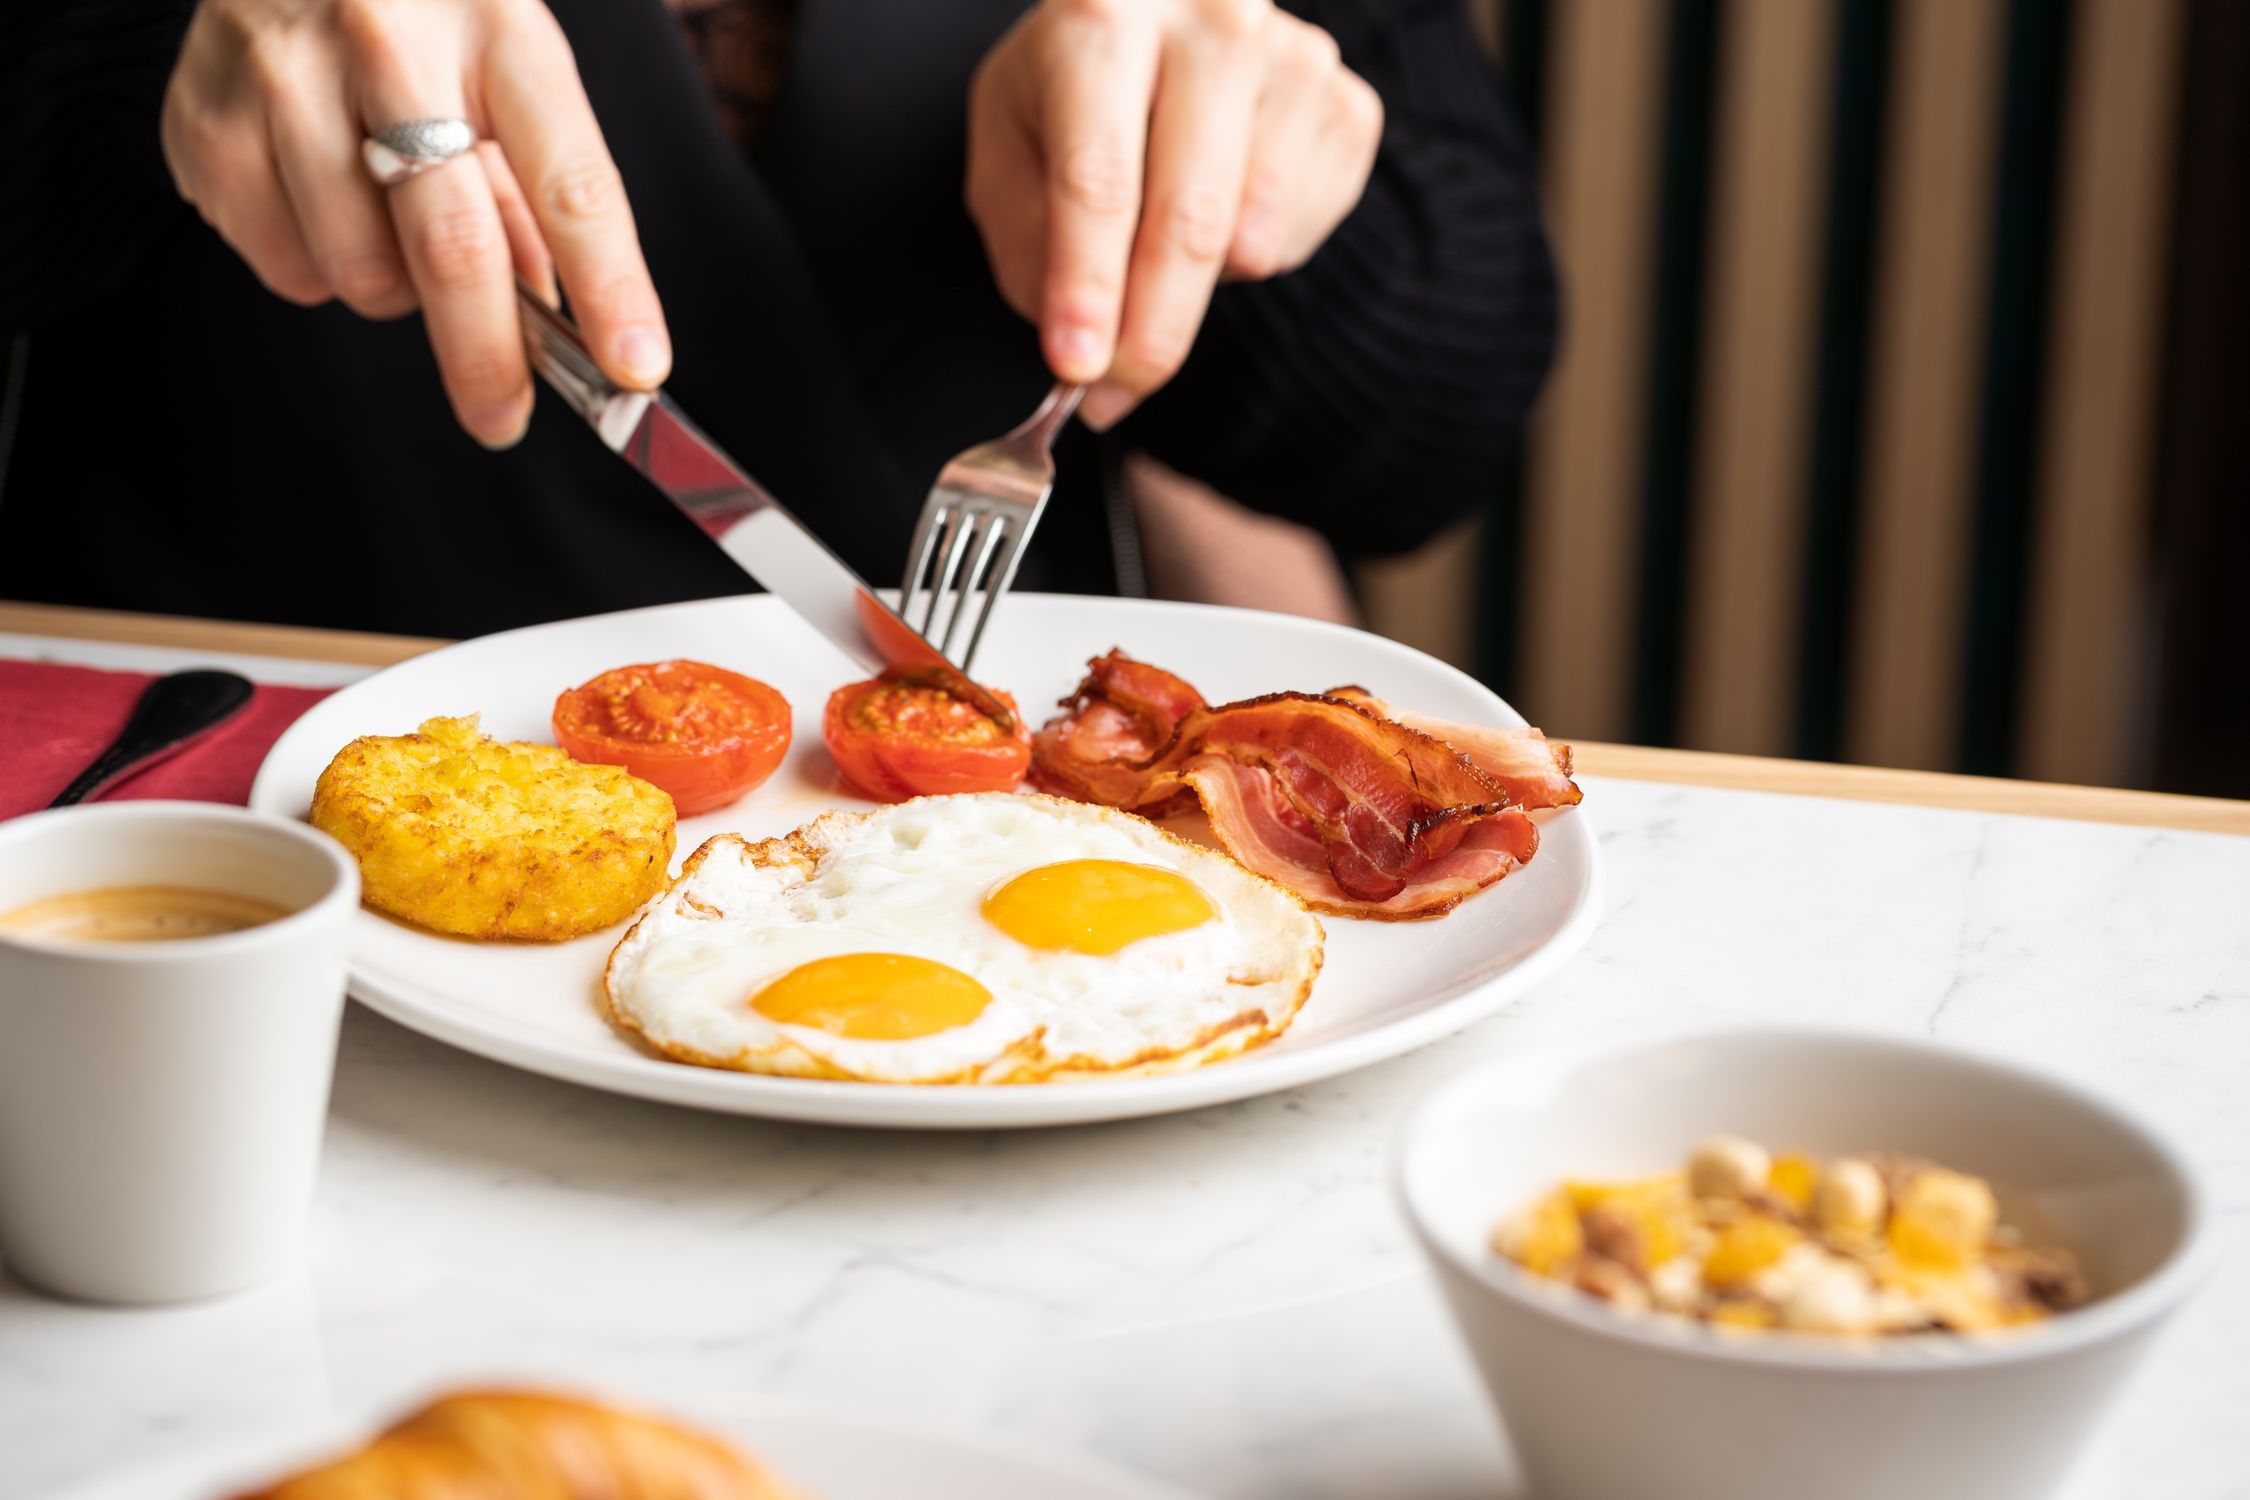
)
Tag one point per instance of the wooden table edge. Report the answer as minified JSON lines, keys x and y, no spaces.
{"x":1627,"y":762}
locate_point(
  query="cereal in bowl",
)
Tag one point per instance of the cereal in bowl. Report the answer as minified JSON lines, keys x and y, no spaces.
{"x":1874,"y":1244}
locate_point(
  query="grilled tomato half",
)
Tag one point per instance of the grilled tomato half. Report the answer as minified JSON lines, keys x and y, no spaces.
{"x":704,"y":734}
{"x":894,"y":740}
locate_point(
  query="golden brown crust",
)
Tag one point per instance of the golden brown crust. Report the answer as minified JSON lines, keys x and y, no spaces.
{"x":1024,"y":1061}
{"x":474,"y":1445}
{"x":488,"y":839}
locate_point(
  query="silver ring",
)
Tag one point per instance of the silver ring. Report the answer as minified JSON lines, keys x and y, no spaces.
{"x":414,"y":146}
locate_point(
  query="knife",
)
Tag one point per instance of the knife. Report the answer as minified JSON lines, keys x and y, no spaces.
{"x":651,"y":433}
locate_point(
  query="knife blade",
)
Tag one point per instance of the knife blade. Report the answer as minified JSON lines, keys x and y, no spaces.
{"x":649,"y":431}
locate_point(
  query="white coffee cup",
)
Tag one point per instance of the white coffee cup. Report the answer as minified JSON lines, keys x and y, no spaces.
{"x":161,"y":1103}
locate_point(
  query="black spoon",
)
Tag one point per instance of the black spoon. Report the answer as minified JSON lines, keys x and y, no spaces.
{"x":174,"y":710}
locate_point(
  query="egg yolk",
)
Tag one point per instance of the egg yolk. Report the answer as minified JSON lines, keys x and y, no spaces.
{"x":873,"y":997}
{"x":1095,"y":905}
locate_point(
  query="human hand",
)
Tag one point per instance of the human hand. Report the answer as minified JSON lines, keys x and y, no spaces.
{"x":1124,"y":154}
{"x":262,"y":127}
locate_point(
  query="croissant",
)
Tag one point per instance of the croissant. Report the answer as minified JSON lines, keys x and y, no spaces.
{"x":522,"y":1445}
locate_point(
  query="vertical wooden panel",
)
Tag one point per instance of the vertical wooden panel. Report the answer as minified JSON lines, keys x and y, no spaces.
{"x":1922,"y":425}
{"x":2089,"y":609}
{"x":1835,"y":475}
{"x":2202,"y":727}
{"x":1604,"y":104}
{"x":1672,"y":409}
{"x":1769,"y":208}
{"x":2019,"y":281}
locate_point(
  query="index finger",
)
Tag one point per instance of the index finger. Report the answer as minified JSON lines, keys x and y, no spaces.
{"x":544,"y":123}
{"x":1094,"y":129}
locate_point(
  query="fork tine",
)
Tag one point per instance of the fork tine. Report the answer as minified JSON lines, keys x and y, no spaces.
{"x":955,"y":542}
{"x":973,"y":528}
{"x":918,"y":554}
{"x":996,"y":531}
{"x":1003,"y":574}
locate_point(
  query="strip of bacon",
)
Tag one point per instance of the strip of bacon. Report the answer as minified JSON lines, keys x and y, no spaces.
{"x":1101,"y":747}
{"x":1534,"y":771}
{"x":1254,"y":822}
{"x":1385,"y":800}
{"x":1360,"y":813}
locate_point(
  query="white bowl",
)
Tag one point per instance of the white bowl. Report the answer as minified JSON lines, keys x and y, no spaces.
{"x":1601,"y":1405}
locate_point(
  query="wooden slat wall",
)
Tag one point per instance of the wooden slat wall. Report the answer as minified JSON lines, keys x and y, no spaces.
{"x":1604,"y":74}
{"x":2202,"y":704}
{"x":1930,"y":286}
{"x":1747,"y":547}
{"x":2083,"y":712}
{"x":2004,"y":447}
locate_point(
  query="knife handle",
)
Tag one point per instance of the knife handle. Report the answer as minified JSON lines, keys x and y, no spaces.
{"x":559,"y":354}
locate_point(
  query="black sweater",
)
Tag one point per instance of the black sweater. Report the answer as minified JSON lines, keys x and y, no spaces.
{"x":183,"y":441}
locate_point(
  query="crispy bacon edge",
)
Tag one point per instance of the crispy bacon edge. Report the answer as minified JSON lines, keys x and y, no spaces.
{"x":1111,"y":732}
{"x":1138,"y":737}
{"x":1533,"y":770}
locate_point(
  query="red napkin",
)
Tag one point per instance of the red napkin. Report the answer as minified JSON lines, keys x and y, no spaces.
{"x":55,"y":719}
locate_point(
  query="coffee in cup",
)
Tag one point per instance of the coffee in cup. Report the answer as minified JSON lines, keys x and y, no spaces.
{"x":171,"y":978}
{"x":138,"y":914}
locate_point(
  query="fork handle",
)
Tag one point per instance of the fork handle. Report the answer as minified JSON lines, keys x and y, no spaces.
{"x":1048,"y":420}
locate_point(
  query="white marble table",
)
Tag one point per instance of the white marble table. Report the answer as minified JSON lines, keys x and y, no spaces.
{"x":1226,"y":1299}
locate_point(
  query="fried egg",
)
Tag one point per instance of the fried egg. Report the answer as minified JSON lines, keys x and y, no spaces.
{"x":989,"y":938}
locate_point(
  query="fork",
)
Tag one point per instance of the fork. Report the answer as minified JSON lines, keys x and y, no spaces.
{"x":980,"y":512}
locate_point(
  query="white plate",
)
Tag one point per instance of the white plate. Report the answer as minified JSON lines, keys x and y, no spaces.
{"x":1387,"y":987}
{"x":824,"y":1456}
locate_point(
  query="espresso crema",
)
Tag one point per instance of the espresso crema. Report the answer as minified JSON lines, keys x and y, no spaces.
{"x":138,"y":914}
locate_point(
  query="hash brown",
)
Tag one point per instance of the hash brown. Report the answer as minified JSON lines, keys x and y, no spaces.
{"x":484,"y":838}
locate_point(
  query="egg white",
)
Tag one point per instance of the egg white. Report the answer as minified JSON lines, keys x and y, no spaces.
{"x":912,"y":879}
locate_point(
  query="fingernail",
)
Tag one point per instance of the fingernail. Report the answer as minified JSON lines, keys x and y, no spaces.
{"x":1105,"y":405}
{"x":501,"y":426}
{"x":1077,"y":353}
{"x":645,"y":353}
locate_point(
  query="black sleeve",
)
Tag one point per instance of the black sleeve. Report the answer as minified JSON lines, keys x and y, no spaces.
{"x":82,"y":179}
{"x":1374,"y":392}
